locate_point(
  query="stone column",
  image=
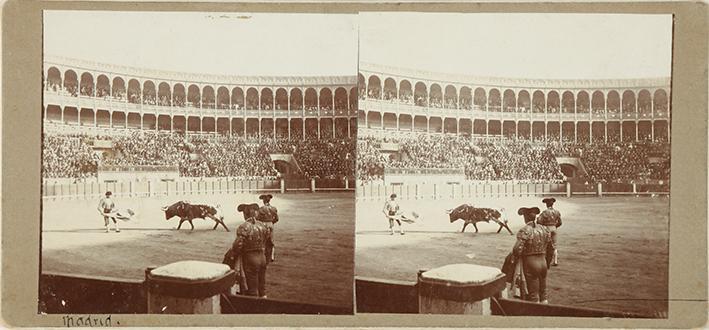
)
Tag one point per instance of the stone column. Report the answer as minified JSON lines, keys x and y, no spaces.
{"x":459,"y":289}
{"x":187,"y":287}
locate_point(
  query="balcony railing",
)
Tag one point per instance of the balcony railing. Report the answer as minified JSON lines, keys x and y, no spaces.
{"x":494,"y":112}
{"x":110,"y":103}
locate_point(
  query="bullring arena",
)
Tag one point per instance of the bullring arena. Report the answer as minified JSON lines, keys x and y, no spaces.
{"x":217,"y":140}
{"x":314,"y":241}
{"x":611,"y":248}
{"x":600,"y":147}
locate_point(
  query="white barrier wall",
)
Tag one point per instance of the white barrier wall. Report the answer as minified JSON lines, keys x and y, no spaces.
{"x":92,"y":188}
{"x":463,"y":189}
{"x":146,"y":188}
{"x":380,"y":190}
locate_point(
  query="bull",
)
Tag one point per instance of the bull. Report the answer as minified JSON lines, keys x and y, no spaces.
{"x":188,"y":212}
{"x":473,"y":215}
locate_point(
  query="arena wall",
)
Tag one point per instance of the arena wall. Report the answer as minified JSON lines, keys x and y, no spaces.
{"x":386,"y":296}
{"x":74,"y":294}
{"x":499,"y":189}
{"x":91,"y":189}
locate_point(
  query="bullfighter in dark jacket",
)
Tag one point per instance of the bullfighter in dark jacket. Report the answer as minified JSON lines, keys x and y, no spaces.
{"x":250,"y":244}
{"x":533,"y":246}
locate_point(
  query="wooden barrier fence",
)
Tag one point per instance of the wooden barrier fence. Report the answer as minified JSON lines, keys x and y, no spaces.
{"x":76,"y":294}
{"x":93,"y":189}
{"x":500,"y":189}
{"x":401,"y":297}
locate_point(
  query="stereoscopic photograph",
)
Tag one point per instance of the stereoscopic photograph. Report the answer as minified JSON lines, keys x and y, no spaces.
{"x":513,"y":164}
{"x":197,"y":163}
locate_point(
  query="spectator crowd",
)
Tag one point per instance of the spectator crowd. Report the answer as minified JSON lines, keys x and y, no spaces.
{"x":248,"y":157}
{"x":514,"y":159}
{"x":68,"y":156}
{"x":72,"y":156}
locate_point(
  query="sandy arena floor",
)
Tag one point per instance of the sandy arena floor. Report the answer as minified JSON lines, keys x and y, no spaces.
{"x":314,"y":242}
{"x":613,"y":251}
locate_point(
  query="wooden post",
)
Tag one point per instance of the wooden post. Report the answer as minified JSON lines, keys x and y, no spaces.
{"x":283,"y":186}
{"x":459,"y":289}
{"x":312,"y":184}
{"x":187,"y":287}
{"x":600,"y":190}
{"x":568,"y":189}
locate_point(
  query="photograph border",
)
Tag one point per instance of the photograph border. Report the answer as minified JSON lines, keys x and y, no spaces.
{"x":21,"y":182}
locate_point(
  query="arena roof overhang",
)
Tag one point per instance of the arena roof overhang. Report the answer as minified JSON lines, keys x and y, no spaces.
{"x":384,"y":72}
{"x":184,"y":77}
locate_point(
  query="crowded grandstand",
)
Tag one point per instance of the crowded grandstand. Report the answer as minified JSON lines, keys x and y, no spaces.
{"x":599,"y":131}
{"x":93,"y":122}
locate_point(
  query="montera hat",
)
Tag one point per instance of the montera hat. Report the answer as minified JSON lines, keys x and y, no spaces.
{"x":108,"y":193}
{"x":265,"y":197}
{"x":392,"y":196}
{"x":245,"y":207}
{"x":242,"y":207}
{"x":529,"y":213}
{"x":549,"y":201}
{"x":528,"y":210}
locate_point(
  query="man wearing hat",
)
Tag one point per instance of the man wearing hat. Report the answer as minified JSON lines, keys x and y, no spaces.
{"x":268,"y":215}
{"x":531,"y":249}
{"x":551,"y":219}
{"x":391,"y":209}
{"x":250,"y":244}
{"x":105,"y":207}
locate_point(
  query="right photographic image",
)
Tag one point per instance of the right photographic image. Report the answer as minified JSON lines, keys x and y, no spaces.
{"x":513,"y":164}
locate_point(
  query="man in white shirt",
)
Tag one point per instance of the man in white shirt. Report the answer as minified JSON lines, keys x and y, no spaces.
{"x":391,"y":209}
{"x":106,"y":207}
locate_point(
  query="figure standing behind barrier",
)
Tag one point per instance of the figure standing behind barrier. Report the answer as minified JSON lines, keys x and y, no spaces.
{"x":268,"y":215}
{"x":551,"y":219}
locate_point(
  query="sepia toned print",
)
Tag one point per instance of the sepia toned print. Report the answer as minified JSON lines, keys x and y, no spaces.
{"x":548,"y":134}
{"x":190,"y":167}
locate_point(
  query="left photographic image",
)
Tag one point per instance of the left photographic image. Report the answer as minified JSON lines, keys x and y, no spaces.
{"x":197,"y":163}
